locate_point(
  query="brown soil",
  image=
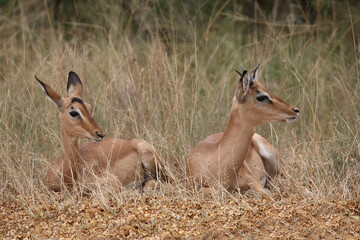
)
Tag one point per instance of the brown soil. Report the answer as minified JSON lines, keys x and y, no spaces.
{"x":158,"y":217}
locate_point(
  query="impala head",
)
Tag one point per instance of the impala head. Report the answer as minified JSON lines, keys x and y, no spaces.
{"x":258,"y":104}
{"x":75,"y":114}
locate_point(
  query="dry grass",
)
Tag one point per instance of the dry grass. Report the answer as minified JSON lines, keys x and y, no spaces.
{"x":168,"y":77}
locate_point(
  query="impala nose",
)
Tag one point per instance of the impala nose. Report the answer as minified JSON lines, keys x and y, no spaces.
{"x":99,"y":135}
{"x":296,"y":110}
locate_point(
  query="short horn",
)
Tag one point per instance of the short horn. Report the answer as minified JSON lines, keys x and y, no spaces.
{"x":256,"y":68}
{"x":239,"y":73}
{"x":242,"y":68}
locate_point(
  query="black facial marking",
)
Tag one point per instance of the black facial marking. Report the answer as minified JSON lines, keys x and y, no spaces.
{"x":75,"y":99}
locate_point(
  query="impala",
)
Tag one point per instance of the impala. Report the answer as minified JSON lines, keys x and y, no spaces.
{"x":105,"y":161}
{"x":238,"y":158}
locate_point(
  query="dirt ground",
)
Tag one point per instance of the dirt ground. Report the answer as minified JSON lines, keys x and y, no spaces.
{"x":160,"y":217}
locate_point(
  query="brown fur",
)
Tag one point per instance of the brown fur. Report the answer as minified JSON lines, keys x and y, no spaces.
{"x":108,"y":161}
{"x":232,"y":159}
{"x":113,"y":162}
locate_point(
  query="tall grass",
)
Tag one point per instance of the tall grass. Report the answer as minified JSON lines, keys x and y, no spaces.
{"x":164,"y":72}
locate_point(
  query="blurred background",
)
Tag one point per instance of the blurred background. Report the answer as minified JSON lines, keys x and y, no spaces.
{"x":164,"y":71}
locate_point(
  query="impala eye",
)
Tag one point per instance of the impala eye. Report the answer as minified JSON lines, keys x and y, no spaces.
{"x":74,"y":114}
{"x":262,"y":98}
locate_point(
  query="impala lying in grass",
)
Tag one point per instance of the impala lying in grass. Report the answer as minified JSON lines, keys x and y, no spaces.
{"x":105,"y":161}
{"x":238,"y":158}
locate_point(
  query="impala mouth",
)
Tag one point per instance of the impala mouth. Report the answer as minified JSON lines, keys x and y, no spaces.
{"x":101,"y":137}
{"x":291,"y":119}
{"x":97,"y":139}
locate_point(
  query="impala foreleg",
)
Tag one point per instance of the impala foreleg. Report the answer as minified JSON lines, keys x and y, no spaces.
{"x":252,"y":181}
{"x":60,"y":176}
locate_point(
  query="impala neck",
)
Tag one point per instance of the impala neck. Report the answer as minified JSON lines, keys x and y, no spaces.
{"x":71,"y":147}
{"x":235,"y":141}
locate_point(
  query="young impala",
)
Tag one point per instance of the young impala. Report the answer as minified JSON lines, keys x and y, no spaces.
{"x":238,"y":158}
{"x":111,"y":161}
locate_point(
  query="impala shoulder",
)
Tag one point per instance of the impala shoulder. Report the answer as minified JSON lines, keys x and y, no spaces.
{"x":213,"y":138}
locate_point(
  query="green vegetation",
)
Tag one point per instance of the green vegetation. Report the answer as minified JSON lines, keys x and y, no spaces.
{"x":164,"y":71}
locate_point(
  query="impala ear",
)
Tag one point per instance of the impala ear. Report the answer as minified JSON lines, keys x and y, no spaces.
{"x":243,"y":86}
{"x":245,"y":82}
{"x":74,"y":85}
{"x":52,"y":95}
